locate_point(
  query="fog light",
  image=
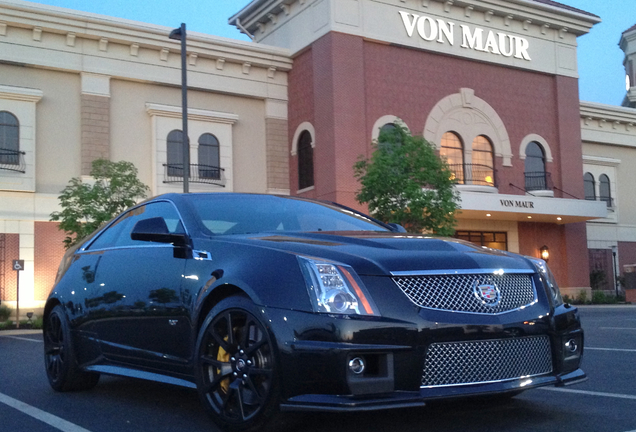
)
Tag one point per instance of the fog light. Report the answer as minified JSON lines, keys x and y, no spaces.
{"x":571,"y":345}
{"x":356,"y":365}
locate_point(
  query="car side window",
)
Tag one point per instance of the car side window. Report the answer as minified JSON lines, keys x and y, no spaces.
{"x":118,"y":234}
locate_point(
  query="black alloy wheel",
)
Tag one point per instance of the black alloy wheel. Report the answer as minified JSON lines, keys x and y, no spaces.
{"x":59,"y":356}
{"x":236,"y":367}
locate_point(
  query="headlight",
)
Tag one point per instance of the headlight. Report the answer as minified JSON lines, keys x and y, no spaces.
{"x":548,"y":279}
{"x":335,"y":288}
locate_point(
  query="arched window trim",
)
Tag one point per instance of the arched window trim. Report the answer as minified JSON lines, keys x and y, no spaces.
{"x":304,"y":126}
{"x":540,"y":140}
{"x":384,"y":120}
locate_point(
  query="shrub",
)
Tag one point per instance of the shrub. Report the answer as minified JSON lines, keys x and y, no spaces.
{"x":5,"y":312}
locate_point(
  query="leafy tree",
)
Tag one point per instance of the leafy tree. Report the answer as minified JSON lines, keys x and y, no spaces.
{"x":405,"y":182}
{"x":87,"y":205}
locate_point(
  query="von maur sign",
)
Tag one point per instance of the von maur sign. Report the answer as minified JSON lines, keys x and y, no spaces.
{"x":442,"y":31}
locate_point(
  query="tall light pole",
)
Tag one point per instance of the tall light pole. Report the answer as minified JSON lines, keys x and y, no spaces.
{"x":180,"y":34}
{"x":616,"y":272}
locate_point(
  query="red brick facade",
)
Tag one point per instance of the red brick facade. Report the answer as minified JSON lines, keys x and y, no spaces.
{"x":49,"y":251}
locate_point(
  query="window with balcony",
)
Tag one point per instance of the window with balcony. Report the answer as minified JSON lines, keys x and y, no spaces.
{"x":9,"y":142}
{"x":209,"y":157}
{"x":589,"y":186}
{"x":481,"y":170}
{"x":605,"y":190}
{"x":174,"y":163}
{"x":535,"y":174}
{"x":452,"y":150}
{"x":305,"y":161}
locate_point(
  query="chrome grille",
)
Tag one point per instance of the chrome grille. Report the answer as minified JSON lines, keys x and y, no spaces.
{"x":456,"y":363}
{"x":456,"y":292}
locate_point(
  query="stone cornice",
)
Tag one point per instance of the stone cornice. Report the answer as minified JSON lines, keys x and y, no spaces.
{"x":193,"y":114}
{"x":20,"y":93}
{"x":76,"y":24}
{"x":610,"y":113}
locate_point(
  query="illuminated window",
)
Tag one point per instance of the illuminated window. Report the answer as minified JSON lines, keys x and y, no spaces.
{"x":452,"y":151}
{"x":305,"y":161}
{"x":483,"y":164}
{"x":494,"y":240}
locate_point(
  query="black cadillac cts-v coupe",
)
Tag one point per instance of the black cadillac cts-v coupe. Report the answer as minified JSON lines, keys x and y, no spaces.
{"x":268,"y":304}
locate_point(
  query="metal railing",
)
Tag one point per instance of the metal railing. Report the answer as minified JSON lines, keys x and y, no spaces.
{"x":12,"y":160}
{"x":207,"y":174}
{"x":538,"y":181}
{"x":474,"y":174}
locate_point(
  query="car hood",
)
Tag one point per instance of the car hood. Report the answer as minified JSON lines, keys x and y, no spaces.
{"x":371,"y":253}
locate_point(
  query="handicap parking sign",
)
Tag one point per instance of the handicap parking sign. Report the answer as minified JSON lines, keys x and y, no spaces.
{"x":18,"y":265}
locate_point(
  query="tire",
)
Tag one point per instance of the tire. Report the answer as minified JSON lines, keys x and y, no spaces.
{"x":236,"y":367}
{"x":59,"y":356}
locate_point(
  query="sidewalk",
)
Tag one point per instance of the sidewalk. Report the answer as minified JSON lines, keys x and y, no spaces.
{"x":19,"y":332}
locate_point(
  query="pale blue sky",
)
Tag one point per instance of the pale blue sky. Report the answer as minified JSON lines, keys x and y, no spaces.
{"x":602,"y":75}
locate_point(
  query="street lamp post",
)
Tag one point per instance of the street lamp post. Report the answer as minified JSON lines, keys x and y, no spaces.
{"x":614,"y":251}
{"x":180,"y":34}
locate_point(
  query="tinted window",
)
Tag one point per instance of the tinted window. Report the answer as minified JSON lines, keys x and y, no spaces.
{"x":588,"y":182}
{"x":175,"y":153}
{"x":209,"y":157}
{"x":9,"y":139}
{"x":305,"y":161}
{"x":604,"y":189}
{"x":242,"y":214}
{"x":118,"y":234}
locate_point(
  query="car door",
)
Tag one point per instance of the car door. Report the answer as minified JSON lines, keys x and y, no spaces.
{"x":137,"y":306}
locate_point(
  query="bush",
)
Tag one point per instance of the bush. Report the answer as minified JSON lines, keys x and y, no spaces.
{"x":5,"y":312}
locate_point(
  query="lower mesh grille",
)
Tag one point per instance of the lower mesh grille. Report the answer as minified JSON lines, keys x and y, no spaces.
{"x":456,"y":363}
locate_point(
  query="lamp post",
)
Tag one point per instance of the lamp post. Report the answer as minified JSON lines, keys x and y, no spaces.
{"x":614,"y":251}
{"x":180,"y":34}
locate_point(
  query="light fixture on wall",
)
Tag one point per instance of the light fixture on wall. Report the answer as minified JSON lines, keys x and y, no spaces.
{"x":545,"y":253}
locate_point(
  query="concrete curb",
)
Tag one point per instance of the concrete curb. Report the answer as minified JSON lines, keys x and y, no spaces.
{"x":19,"y":332}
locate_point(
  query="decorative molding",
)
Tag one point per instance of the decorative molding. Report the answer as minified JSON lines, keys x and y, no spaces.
{"x":448,"y":5}
{"x":598,"y":160}
{"x":273,"y":18}
{"x":386,"y":119}
{"x":285,"y":8}
{"x":535,"y":138}
{"x":70,"y":39}
{"x":192,"y":59}
{"x":3,"y":28}
{"x":163,"y":54}
{"x":426,"y":3}
{"x":261,"y":27}
{"x":193,"y":113}
{"x":134,"y":50}
{"x":103,"y":44}
{"x":526,"y":24}
{"x":271,"y":73}
{"x":20,"y":93}
{"x":562,"y":32}
{"x":246,"y":68}
{"x":220,"y":63}
{"x":468,"y":11}
{"x":304,"y":126}
{"x":488,"y":15}
{"x":544,"y":28}
{"x":508,"y":19}
{"x":37,"y":34}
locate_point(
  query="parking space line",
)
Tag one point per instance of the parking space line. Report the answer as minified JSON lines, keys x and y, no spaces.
{"x":24,"y":339}
{"x":590,"y":393}
{"x":610,"y":349}
{"x":43,"y":416}
{"x":617,"y":328}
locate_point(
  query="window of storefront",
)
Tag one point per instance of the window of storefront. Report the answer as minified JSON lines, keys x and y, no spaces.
{"x":482,"y":168}
{"x":535,"y":168}
{"x":588,"y":183}
{"x":305,"y":161}
{"x":9,"y":139}
{"x":209,"y":157}
{"x":175,"y":153}
{"x":495,"y":240}
{"x":605,"y":193}
{"x":452,"y":150}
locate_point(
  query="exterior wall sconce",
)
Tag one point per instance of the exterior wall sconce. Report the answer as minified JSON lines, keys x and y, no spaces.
{"x":545,"y":253}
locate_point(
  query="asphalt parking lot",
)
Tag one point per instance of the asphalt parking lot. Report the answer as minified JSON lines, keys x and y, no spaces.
{"x":606,"y":402}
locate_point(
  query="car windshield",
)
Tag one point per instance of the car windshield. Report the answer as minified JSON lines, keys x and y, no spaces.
{"x":248,"y":214}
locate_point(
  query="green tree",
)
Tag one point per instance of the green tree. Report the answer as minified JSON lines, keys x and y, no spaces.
{"x":87,"y":205}
{"x":405,"y":182}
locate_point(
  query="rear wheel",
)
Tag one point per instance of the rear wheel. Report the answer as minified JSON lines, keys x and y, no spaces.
{"x":59,"y":356}
{"x":236,"y":368}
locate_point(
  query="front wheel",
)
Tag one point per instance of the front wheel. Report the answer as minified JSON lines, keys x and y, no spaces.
{"x":236,"y":367}
{"x":59,"y":356}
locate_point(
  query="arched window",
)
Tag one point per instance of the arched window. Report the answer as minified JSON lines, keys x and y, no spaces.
{"x":9,"y":139}
{"x":453,"y":151}
{"x":209,"y":157}
{"x":175,"y":153}
{"x":483,"y":172}
{"x":386,"y":129}
{"x":604,"y":190}
{"x":305,"y":161}
{"x":589,"y":187}
{"x":536,"y":178}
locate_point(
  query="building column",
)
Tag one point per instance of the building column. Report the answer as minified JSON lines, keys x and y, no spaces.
{"x":95,"y":107}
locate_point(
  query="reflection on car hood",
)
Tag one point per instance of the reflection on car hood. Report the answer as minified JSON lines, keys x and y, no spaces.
{"x":373,"y":253}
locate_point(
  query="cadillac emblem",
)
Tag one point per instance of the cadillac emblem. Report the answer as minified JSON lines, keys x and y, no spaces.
{"x":488,"y":294}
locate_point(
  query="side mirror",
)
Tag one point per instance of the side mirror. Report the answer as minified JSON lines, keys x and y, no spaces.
{"x":396,"y":227}
{"x":156,"y":230}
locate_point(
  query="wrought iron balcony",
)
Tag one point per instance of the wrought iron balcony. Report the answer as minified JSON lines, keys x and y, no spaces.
{"x":207,"y":174}
{"x":536,"y":181}
{"x":475,"y":174}
{"x":12,"y":160}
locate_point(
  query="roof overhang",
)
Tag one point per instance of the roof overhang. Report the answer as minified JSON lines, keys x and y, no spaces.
{"x":527,"y":208}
